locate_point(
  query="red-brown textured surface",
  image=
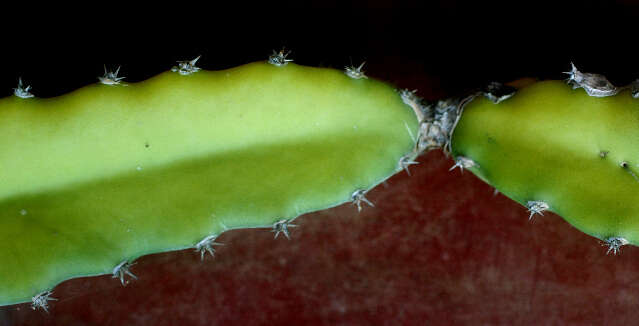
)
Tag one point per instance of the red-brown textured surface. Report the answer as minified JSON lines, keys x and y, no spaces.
{"x":438,"y":249}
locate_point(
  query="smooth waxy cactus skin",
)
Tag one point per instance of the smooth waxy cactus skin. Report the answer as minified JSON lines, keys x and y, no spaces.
{"x":111,"y":172}
{"x":574,"y":152}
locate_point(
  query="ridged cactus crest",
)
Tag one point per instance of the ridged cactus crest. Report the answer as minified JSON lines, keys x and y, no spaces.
{"x":92,"y":180}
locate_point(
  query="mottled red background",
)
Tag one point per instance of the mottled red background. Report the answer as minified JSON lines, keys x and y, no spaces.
{"x":438,"y":248}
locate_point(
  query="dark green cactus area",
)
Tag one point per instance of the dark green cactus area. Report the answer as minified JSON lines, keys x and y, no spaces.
{"x":108,"y":173}
{"x":558,"y":146}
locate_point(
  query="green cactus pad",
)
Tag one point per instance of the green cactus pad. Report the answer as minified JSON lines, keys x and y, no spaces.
{"x":557,"y":145}
{"x":109,"y":173}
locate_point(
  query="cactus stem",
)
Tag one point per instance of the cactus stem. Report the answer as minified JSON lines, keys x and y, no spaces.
{"x":614,"y":244}
{"x":358,"y":197}
{"x":206,"y":245}
{"x":536,"y":207}
{"x":186,"y":67}
{"x":282,"y":226}
{"x":163,"y":196}
{"x":123,"y":269}
{"x":110,"y":77}
{"x":279,"y":58}
{"x":41,"y":301}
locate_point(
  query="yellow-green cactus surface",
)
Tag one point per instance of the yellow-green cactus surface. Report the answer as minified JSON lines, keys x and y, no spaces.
{"x":553,"y":145}
{"x":108,"y":173}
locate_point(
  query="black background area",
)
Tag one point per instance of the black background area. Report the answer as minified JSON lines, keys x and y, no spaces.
{"x":461,"y":45}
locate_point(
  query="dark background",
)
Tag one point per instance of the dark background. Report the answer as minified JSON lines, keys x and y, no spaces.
{"x":461,"y":44}
{"x":438,"y":249}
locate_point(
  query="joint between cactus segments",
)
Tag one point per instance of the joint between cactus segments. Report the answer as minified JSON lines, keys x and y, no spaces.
{"x":206,"y":245}
{"x":437,"y":122}
{"x":614,"y":244}
{"x":459,"y":109}
{"x":123,"y":269}
{"x":282,"y":226}
{"x":279,"y":58}
{"x":41,"y":301}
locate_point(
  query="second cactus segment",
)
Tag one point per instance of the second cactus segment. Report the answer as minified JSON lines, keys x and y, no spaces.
{"x":550,"y":147}
{"x":91,"y":180}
